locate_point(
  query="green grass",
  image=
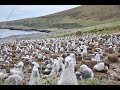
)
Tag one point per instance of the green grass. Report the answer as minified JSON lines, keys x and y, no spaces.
{"x":100,"y":26}
{"x":104,"y":30}
{"x":49,"y":82}
{"x":95,"y":81}
{"x":79,"y":17}
{"x":62,"y":34}
{"x":98,"y":29}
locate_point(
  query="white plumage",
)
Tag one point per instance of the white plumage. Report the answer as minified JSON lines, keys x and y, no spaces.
{"x":86,"y":72}
{"x":17,"y":70}
{"x":84,"y":52}
{"x":68,"y":76}
{"x":20,"y":65}
{"x":2,"y":73}
{"x":39,"y":56}
{"x":72,"y":55}
{"x":35,"y":77}
{"x":14,"y":79}
{"x":96,"y":57}
{"x":13,"y":70}
{"x":35,"y":64}
{"x":100,"y":66}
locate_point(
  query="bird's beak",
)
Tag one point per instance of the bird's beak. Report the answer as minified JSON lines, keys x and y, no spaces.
{"x":66,"y":65}
{"x":32,"y":65}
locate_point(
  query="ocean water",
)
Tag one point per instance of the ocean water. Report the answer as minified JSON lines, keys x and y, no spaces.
{"x":7,"y":32}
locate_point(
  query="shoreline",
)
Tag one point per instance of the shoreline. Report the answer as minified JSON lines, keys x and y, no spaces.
{"x":23,"y":29}
{"x":24,"y":37}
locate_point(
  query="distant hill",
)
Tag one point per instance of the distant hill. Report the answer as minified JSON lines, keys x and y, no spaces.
{"x":82,"y":16}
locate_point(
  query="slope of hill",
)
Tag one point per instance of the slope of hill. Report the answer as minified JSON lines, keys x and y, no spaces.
{"x":82,"y":16}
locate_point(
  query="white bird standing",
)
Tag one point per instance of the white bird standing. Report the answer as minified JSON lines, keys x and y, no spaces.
{"x":35,"y":77}
{"x":68,"y":76}
{"x":84,"y":52}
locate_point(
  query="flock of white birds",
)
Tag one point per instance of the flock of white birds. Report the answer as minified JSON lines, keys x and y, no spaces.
{"x":69,"y":59}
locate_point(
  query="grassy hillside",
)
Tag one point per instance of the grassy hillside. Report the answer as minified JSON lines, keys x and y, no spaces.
{"x":79,"y":17}
{"x":111,"y":27}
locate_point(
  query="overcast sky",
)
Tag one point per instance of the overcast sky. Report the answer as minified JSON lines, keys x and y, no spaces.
{"x":28,"y":11}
